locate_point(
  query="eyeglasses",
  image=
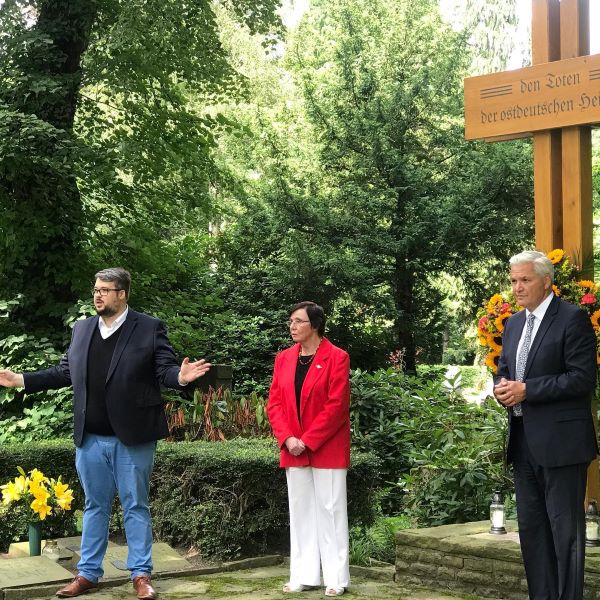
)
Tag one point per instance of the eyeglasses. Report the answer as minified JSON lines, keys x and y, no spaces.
{"x":104,"y":291}
{"x":296,"y":322}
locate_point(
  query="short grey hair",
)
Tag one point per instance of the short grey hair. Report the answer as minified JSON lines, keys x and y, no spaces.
{"x":117,"y":275}
{"x":542,"y":265}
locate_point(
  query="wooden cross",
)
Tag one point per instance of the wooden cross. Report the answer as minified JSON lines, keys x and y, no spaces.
{"x":556,"y":100}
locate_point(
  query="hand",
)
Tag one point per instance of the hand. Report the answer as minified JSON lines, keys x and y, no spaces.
{"x":509,"y":393}
{"x":295,"y":446}
{"x":10,"y":379}
{"x":190,"y":371}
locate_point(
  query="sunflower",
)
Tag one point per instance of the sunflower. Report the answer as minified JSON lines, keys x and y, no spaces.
{"x":491,"y":361}
{"x":493,"y":302}
{"x":500,"y":320}
{"x":595,"y":319}
{"x":555,"y":290}
{"x":556,"y":255}
{"x":588,"y":285}
{"x":482,"y":338}
{"x":494,"y":342}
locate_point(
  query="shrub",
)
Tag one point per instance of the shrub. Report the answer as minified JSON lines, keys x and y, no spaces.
{"x":43,"y":416}
{"x":376,"y":543}
{"x":390,"y":415}
{"x":230,"y":498}
{"x":432,"y":372}
{"x":226,"y":498}
{"x":217,"y":415}
{"x":453,"y":477}
{"x":473,"y":376}
{"x":441,"y":457}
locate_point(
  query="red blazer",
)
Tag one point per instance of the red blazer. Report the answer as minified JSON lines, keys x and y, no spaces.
{"x":324,"y":424}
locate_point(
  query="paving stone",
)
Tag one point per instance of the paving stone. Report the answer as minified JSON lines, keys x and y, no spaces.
{"x":68,"y":547}
{"x":31,"y":570}
{"x":21,"y":549}
{"x":164,"y":558}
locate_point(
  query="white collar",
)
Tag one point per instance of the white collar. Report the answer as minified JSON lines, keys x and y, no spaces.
{"x":540,"y":311}
{"x":116,"y":323}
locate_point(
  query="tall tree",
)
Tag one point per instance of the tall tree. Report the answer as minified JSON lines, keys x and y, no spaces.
{"x":382,"y":83}
{"x":359,"y":180}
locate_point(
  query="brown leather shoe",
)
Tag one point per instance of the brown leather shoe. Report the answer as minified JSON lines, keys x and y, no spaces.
{"x":79,"y":585}
{"x":143,"y":588}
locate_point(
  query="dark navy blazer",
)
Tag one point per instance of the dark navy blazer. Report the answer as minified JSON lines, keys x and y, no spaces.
{"x":143,"y":360}
{"x":560,"y":378}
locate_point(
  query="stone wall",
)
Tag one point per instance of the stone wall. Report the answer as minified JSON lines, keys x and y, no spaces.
{"x":467,"y":559}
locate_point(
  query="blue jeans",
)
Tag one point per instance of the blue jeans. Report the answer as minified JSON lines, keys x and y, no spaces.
{"x":106,"y":466}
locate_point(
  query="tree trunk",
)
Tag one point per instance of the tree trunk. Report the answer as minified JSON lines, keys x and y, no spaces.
{"x":404,"y":322}
{"x":42,"y":205}
{"x":403,"y":285}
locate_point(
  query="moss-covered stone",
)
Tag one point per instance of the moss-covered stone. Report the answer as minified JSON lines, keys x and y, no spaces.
{"x":263,"y":583}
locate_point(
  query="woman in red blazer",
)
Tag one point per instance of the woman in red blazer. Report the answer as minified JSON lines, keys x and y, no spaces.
{"x":308,"y":409}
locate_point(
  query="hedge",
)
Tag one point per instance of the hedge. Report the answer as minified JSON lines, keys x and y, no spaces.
{"x":227,"y":499}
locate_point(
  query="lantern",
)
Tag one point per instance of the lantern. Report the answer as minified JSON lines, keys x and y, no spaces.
{"x":497,"y":515}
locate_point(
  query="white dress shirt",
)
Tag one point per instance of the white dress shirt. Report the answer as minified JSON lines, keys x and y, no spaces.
{"x":105,"y":330}
{"x":538,"y":313}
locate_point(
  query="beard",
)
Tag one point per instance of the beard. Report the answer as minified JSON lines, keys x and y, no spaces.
{"x":106,"y":311}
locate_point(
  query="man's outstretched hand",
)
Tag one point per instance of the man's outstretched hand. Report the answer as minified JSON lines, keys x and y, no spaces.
{"x":10,"y":379}
{"x":190,"y":371}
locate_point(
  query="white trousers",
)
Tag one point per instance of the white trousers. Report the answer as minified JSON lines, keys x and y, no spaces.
{"x":318,"y":526}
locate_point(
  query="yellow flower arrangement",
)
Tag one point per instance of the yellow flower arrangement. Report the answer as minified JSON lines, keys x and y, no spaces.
{"x":41,"y":494}
{"x":495,"y":312}
{"x":491,"y":325}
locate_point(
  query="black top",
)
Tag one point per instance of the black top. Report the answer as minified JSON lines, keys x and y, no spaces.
{"x":99,"y":357}
{"x":301,"y":371}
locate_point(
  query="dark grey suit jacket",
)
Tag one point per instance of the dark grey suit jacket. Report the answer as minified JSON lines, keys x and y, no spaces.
{"x":143,"y":360}
{"x":560,"y":376}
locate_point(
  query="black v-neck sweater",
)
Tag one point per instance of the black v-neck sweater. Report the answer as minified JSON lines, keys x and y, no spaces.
{"x":99,"y":358}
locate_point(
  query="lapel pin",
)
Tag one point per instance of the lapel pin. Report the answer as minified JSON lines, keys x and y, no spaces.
{"x":319,"y":367}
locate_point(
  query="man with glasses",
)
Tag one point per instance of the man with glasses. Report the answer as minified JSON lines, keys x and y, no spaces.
{"x":116,"y":363}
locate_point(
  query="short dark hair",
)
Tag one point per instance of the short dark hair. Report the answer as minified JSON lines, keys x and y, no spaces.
{"x":120,"y":277}
{"x":315,"y":313}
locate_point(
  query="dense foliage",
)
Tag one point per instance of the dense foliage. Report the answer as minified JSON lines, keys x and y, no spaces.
{"x":441,"y":457}
{"x":363,"y":191}
{"x":235,"y":167}
{"x":438,"y":460}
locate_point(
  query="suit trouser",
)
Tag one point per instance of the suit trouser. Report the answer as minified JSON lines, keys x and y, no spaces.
{"x":551,"y":516}
{"x":105,"y":467}
{"x":318,"y":526}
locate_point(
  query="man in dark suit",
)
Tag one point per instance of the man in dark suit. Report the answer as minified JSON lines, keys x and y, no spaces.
{"x":546,"y":378}
{"x":116,"y":362}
